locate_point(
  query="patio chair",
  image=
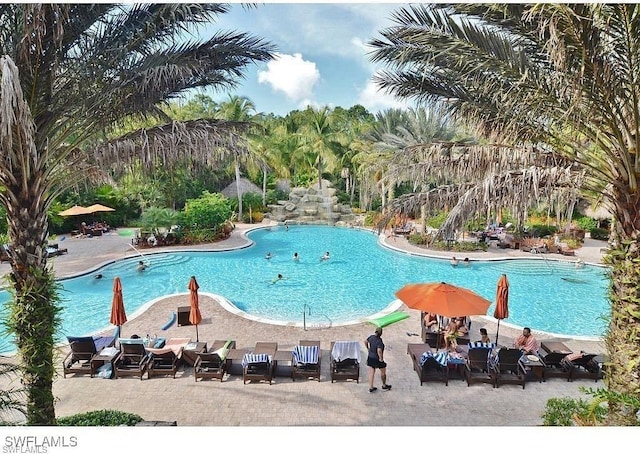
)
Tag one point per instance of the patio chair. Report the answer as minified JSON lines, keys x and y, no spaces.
{"x":133,"y":360}
{"x":258,"y":365}
{"x":164,"y":362}
{"x":429,"y":366}
{"x":582,"y":365}
{"x":345,"y":361}
{"x":507,"y":369}
{"x":306,"y":361}
{"x":83,"y":349}
{"x":213,"y":364}
{"x":476,"y":368}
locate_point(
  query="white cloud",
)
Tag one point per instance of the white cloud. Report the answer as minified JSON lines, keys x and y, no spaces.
{"x":375,"y":100}
{"x":292,"y":75}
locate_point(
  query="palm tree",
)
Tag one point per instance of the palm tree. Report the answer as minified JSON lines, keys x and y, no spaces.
{"x":321,"y":141}
{"x":69,"y":73}
{"x":239,"y":109}
{"x":556,"y":87}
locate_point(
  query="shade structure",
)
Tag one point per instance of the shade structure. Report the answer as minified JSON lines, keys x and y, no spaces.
{"x":444,"y":299}
{"x":75,"y":210}
{"x":502,"y":302}
{"x":97,"y":207}
{"x":195,"y":317}
{"x":118,"y":315}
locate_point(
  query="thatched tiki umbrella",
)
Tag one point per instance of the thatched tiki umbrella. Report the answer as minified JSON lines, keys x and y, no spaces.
{"x":502,"y":302}
{"x":195,"y":317}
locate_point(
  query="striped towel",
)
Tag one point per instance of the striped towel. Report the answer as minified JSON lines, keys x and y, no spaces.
{"x":250,"y":358}
{"x":305,"y":354}
{"x":440,"y":357}
{"x":479,"y":344}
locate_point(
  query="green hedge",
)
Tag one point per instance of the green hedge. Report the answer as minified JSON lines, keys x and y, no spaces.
{"x":599,"y":234}
{"x":100,"y":418}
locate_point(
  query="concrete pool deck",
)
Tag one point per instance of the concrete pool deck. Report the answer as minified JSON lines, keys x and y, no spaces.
{"x":301,"y":403}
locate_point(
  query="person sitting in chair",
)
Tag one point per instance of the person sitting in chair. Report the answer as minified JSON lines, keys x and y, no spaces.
{"x":526,"y":342}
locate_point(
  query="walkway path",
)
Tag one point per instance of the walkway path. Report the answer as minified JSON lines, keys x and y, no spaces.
{"x":287,"y":403}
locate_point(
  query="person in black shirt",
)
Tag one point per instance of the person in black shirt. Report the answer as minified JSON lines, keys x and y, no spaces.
{"x":375,"y":359}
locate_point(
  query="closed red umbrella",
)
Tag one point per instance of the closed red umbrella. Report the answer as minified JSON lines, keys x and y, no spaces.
{"x":195,"y":317}
{"x":118,"y":315}
{"x":502,"y":302}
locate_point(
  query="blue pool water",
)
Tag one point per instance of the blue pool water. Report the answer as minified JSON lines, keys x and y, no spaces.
{"x":359,"y":280}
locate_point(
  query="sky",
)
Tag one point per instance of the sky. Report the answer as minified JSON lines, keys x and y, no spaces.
{"x":321,"y":55}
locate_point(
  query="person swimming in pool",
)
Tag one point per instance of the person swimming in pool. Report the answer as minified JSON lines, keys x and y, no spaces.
{"x":278,"y":278}
{"x":142,"y":266}
{"x":296,"y":257}
{"x":326,"y":256}
{"x":268,"y":256}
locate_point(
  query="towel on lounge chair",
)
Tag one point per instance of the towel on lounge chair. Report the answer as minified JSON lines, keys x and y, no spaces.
{"x":441,"y":357}
{"x":305,"y":354}
{"x":222,"y":351}
{"x":346,"y":350}
{"x":479,"y":344}
{"x":251,"y":358}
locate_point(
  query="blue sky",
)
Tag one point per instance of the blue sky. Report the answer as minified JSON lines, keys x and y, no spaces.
{"x":322,"y":55}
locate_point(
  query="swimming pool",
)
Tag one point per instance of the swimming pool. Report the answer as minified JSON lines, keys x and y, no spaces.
{"x":360,"y":279}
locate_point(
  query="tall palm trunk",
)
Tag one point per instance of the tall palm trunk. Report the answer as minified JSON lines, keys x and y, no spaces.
{"x":264,"y":187}
{"x":623,"y":336}
{"x":34,"y":309}
{"x":238,"y":190}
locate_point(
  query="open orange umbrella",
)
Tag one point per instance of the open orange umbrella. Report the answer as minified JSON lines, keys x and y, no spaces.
{"x":118,"y":316}
{"x":444,"y":299}
{"x":195,"y":317}
{"x":502,"y":302}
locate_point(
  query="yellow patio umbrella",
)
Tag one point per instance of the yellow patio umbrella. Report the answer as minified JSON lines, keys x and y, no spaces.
{"x":75,"y":210}
{"x":97,"y":207}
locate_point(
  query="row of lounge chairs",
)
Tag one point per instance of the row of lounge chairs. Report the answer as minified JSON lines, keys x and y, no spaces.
{"x":135,"y":357}
{"x":507,"y":366}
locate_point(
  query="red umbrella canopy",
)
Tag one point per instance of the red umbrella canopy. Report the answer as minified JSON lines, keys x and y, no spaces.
{"x":194,"y":315}
{"x":502,"y":299}
{"x":444,"y":299}
{"x":118,"y":316}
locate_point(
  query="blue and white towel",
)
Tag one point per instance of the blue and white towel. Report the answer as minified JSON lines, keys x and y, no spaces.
{"x":441,"y":357}
{"x":250,"y":358}
{"x":346,"y":350}
{"x":478,"y":344}
{"x":305,"y":354}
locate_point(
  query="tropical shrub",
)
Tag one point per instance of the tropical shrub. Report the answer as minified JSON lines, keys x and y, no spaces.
{"x":542,"y":230}
{"x":155,"y":218}
{"x":274,"y":195}
{"x":586,"y":223}
{"x":209,"y":211}
{"x":437,"y":220}
{"x":100,"y":418}
{"x":418,"y":239}
{"x":562,"y":411}
{"x":599,"y":234}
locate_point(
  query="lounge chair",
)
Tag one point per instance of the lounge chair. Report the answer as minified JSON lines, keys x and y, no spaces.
{"x":508,"y":369}
{"x":258,"y":365}
{"x":477,"y":366}
{"x":306,"y":361}
{"x":428,"y":366}
{"x":553,"y":366}
{"x":213,"y":364}
{"x":83,"y":349}
{"x":345,"y":361}
{"x":133,"y":360}
{"x":582,"y":365}
{"x":164,"y":362}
